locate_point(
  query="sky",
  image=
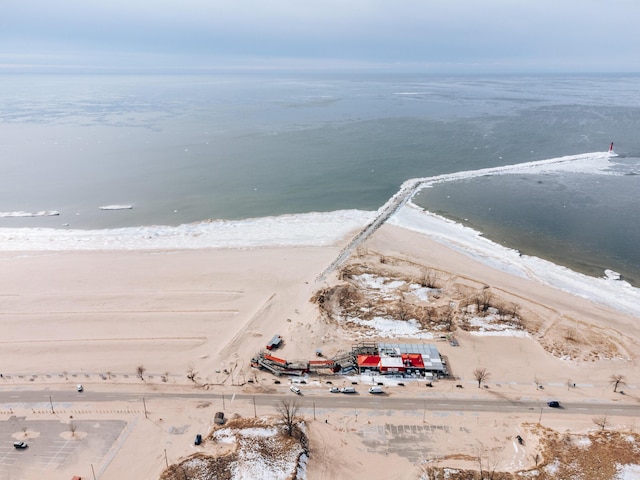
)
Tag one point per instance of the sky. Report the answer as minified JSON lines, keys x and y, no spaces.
{"x":440,"y":36}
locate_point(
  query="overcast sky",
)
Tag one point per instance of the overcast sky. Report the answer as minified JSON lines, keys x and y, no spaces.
{"x":391,"y":35}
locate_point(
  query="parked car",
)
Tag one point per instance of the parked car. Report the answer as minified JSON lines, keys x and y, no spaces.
{"x":334,"y":390}
{"x":20,"y":445}
{"x":198,"y":440}
{"x":295,"y":390}
{"x":348,"y":390}
{"x":520,"y":440}
{"x":554,"y":404}
{"x":79,"y":388}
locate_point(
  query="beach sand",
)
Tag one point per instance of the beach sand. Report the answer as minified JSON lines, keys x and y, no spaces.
{"x":102,"y":318}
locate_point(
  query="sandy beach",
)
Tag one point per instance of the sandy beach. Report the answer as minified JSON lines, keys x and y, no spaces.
{"x":178,"y":328}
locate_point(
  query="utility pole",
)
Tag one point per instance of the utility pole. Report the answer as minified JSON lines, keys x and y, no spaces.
{"x":540,"y":419}
{"x":165,"y":458}
{"x":51,"y":402}
{"x":93,"y":471}
{"x":255,"y":414}
{"x":144,"y":404}
{"x":314,"y":410}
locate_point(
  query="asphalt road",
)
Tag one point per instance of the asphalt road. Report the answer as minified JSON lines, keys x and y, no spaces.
{"x":356,"y":401}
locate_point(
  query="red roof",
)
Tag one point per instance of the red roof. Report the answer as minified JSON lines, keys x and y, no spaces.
{"x":368,"y":361}
{"x":415,"y":359}
{"x":275,"y":359}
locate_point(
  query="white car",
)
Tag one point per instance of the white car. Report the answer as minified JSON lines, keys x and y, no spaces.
{"x":79,"y":388}
{"x":295,"y":390}
{"x":334,"y":390}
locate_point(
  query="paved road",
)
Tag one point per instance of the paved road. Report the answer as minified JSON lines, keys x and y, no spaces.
{"x":321,"y":401}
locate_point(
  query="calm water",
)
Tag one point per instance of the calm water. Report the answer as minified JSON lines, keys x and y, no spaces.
{"x":184,"y":149}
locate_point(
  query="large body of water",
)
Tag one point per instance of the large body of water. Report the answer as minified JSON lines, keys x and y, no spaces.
{"x":185,"y":149}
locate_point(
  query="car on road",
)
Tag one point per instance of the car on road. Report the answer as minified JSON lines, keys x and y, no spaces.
{"x":79,"y":388}
{"x":348,"y":390}
{"x":198,"y":440}
{"x":20,"y":445}
{"x":554,"y":404}
{"x":295,"y":390}
{"x":334,"y":390}
{"x":375,"y":389}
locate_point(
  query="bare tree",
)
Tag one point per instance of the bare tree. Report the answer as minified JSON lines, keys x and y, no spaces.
{"x":481,"y":374}
{"x":191,"y":374}
{"x":288,"y":411}
{"x":447,"y":318}
{"x":602,"y":422}
{"x":140,"y":371}
{"x":617,"y":380}
{"x":403,"y":310}
{"x":72,"y":428}
{"x":483,"y":299}
{"x":429,"y":279}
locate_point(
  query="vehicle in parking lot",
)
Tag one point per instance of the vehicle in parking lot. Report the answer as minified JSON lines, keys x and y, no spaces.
{"x":198,"y":440}
{"x":334,"y":390}
{"x":554,"y":404}
{"x":348,"y":390}
{"x":20,"y":445}
{"x":295,"y":390}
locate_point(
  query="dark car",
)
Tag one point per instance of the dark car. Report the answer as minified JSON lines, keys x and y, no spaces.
{"x":520,"y":440}
{"x":554,"y":404}
{"x":20,"y":445}
{"x":198,"y":439}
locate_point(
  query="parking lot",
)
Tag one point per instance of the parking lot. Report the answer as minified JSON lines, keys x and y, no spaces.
{"x":52,"y":443}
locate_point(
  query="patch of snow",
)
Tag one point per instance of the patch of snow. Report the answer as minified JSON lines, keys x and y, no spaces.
{"x":375,"y":282}
{"x":422,"y":293}
{"x":388,"y":327}
{"x":553,"y":467}
{"x":581,"y":441}
{"x":489,"y":329}
{"x":302,"y":467}
{"x":225,"y":435}
{"x":627,"y":472}
{"x":258,"y":432}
